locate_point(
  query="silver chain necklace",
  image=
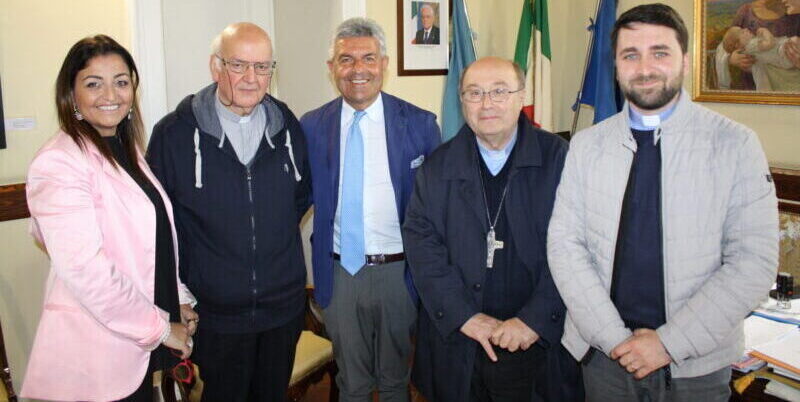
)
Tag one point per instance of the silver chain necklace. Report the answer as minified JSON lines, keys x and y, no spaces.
{"x":492,"y":244}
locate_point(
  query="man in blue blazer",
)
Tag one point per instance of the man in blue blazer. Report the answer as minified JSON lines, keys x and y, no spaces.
{"x":364,"y":149}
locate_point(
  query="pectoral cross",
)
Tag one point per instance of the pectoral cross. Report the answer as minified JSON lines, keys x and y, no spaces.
{"x":492,"y":244}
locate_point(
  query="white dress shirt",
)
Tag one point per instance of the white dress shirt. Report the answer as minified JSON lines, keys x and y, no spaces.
{"x":381,"y":221}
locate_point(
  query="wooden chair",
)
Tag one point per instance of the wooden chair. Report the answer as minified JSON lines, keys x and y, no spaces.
{"x":168,"y":386}
{"x":313,"y":359}
{"x":7,"y":387}
{"x":314,"y":356}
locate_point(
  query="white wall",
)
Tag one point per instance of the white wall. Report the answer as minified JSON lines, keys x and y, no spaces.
{"x":189,"y":28}
{"x":23,"y":271}
{"x":302,"y":76}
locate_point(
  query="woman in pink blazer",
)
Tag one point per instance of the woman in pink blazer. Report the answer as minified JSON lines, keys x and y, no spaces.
{"x":114,"y":307}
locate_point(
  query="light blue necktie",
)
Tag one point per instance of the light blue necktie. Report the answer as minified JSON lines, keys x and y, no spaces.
{"x":351,"y":241}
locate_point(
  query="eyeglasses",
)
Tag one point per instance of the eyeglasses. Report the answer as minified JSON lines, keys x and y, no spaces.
{"x":240,"y":67}
{"x":497,"y":95}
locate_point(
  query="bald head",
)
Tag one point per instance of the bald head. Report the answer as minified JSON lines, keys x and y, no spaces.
{"x":239,"y":32}
{"x":491,"y":100}
{"x":492,"y":63}
{"x":235,"y":53}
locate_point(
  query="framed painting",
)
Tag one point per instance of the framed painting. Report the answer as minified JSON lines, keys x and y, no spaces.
{"x":423,"y":42}
{"x":747,"y":51}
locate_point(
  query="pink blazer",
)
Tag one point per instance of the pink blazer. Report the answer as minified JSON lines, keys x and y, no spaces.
{"x":99,"y":321}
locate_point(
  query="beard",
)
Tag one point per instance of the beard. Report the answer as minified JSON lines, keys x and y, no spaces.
{"x":652,"y":98}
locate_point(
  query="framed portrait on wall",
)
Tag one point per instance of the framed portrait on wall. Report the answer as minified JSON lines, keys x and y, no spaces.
{"x":747,"y":51}
{"x":423,"y":29}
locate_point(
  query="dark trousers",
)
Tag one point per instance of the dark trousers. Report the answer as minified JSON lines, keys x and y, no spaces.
{"x":511,"y":379}
{"x":607,"y":380}
{"x":370,"y":319}
{"x":247,"y":367}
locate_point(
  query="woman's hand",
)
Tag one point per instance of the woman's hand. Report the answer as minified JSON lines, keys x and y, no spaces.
{"x":189,"y":318}
{"x":179,"y":339}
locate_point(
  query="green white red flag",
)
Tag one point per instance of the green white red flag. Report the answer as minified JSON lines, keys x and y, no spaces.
{"x":533,"y":54}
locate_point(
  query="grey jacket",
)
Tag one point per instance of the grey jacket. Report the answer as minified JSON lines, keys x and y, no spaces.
{"x":720,"y":234}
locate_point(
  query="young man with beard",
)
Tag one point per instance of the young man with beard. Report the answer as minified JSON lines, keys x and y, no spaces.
{"x":664,"y":231}
{"x":364,"y":149}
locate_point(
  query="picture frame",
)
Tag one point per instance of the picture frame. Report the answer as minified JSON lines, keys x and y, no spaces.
{"x":722,"y":48}
{"x":423,"y":37}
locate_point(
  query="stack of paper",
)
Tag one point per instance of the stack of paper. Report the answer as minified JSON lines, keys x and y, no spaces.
{"x":783,"y":372}
{"x":782,"y":391}
{"x":748,"y":363}
{"x":783,"y":352}
{"x":759,"y":331}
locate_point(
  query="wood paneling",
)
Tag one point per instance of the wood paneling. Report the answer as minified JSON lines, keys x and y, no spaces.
{"x":12,"y":202}
{"x":787,"y":187}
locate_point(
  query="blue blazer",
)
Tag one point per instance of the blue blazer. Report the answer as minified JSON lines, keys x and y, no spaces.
{"x":411,"y":132}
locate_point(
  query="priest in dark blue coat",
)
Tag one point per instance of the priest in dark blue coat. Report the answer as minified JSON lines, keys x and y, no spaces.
{"x":475,"y":233}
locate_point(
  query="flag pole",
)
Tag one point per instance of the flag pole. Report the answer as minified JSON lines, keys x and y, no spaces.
{"x":471,"y":37}
{"x":589,"y":48}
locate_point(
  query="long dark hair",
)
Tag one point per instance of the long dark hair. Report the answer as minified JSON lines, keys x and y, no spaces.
{"x":130,"y":131}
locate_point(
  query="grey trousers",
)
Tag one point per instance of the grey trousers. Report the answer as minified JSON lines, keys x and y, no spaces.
{"x":371,"y":319}
{"x":606,"y":380}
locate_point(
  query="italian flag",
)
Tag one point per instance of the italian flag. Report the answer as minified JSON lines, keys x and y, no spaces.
{"x":533,"y":55}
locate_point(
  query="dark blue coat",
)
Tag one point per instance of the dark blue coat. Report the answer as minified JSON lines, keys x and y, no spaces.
{"x":411,"y":132}
{"x":445,"y":241}
{"x":238,"y":234}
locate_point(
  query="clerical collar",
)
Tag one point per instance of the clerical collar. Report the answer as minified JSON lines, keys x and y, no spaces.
{"x":232,"y":117}
{"x":649,"y":122}
{"x":496,"y":159}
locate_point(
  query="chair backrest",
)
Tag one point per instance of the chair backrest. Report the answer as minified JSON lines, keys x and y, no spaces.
{"x":313,"y":315}
{"x":5,"y":371}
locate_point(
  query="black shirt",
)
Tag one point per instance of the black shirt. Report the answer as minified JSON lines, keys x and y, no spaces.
{"x":637,"y":287}
{"x":507,"y":285}
{"x":166,"y":286}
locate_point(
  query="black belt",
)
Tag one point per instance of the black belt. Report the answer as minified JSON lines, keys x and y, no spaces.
{"x":377,"y":259}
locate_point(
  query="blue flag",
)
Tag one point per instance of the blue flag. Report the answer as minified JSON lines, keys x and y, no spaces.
{"x":600,"y":88}
{"x":462,"y":53}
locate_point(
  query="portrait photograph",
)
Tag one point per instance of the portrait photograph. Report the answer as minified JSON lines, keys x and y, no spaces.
{"x":747,"y":51}
{"x":423,"y":29}
{"x":426,"y":16}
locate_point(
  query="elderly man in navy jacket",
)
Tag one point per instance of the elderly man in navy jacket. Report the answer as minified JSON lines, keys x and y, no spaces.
{"x":233,"y":160}
{"x":475,"y":233}
{"x":364,"y":148}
